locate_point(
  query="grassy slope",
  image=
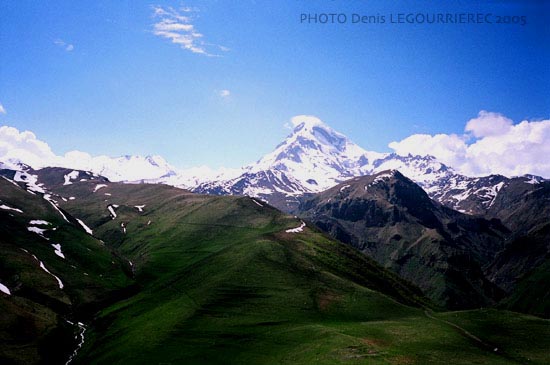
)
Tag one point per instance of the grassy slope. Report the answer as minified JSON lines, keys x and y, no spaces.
{"x":532,"y":293}
{"x":32,"y":320}
{"x":520,"y":337}
{"x":223,"y":283}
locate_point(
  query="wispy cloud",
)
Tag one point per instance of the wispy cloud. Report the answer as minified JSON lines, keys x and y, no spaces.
{"x":2,"y":109}
{"x":178,"y":27}
{"x":224,"y":93}
{"x":66,"y":46}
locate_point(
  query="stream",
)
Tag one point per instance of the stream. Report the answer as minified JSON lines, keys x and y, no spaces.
{"x":80,"y":338}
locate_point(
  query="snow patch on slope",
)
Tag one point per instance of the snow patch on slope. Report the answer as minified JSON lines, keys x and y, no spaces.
{"x":112,"y":210}
{"x":43,"y":267}
{"x":38,"y":231}
{"x":5,"y":207}
{"x":4,"y":289}
{"x":86,"y":228}
{"x":297,"y":229}
{"x":99,"y":186}
{"x":54,"y":204}
{"x":57,"y":250}
{"x":73,"y":175}
{"x":39,"y":222}
{"x":31,"y":182}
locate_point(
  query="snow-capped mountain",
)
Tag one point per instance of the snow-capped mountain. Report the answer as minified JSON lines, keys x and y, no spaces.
{"x":474,"y":195}
{"x":272,"y":186}
{"x":125,"y":168}
{"x":316,"y":156}
{"x":151,"y":169}
{"x":313,"y":158}
{"x":193,"y":177}
{"x":424,"y":170}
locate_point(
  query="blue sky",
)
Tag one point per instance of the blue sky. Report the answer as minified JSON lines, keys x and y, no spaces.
{"x":95,"y":77}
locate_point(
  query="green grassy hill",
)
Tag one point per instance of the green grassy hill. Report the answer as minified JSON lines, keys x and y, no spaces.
{"x":223,"y":282}
{"x":532,"y":293}
{"x":220,"y":280}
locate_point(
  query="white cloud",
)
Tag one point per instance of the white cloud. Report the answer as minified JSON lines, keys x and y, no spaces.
{"x":2,"y":109}
{"x":525,"y":148}
{"x":23,"y":146}
{"x":225,"y":93}
{"x":488,"y":124}
{"x":497,"y":147}
{"x":518,"y":149}
{"x":16,"y":146}
{"x":66,"y":46}
{"x":308,"y":119}
{"x":449,"y":149}
{"x":177,"y":26}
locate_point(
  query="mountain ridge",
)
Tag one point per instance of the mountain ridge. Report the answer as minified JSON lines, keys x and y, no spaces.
{"x":312,"y":158}
{"x":390,"y":218}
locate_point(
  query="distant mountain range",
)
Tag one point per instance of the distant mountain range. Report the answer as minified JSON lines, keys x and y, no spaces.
{"x":313,"y":158}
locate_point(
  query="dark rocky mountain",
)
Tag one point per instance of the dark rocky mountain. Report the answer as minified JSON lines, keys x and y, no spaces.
{"x":509,"y":213}
{"x":523,"y":205}
{"x":390,"y":218}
